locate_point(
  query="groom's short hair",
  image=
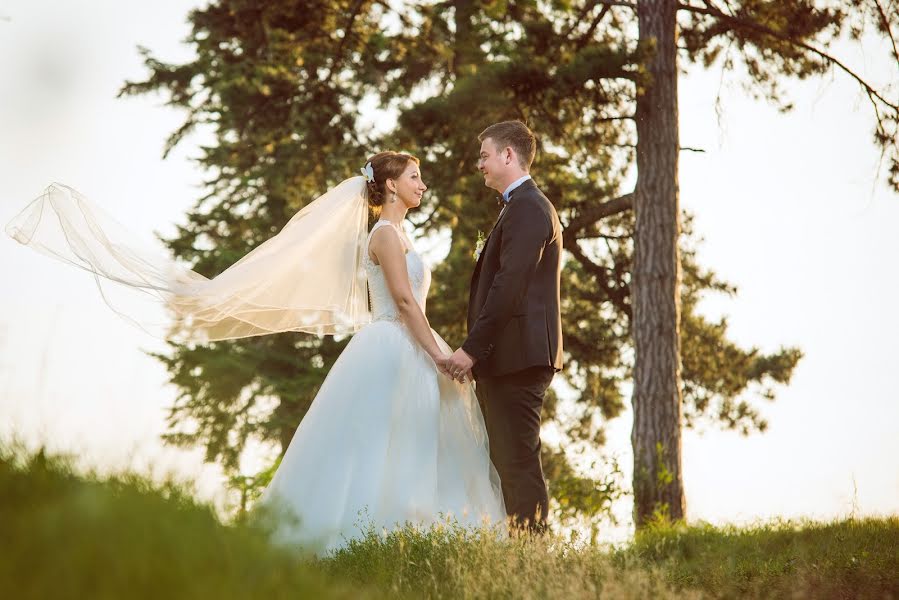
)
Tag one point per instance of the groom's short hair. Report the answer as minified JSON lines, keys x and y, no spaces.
{"x":515,"y":135}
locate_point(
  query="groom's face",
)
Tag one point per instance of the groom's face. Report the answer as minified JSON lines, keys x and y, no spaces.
{"x":492,"y":164}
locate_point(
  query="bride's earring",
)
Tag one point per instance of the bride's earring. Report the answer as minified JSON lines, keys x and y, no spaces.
{"x":393,"y":199}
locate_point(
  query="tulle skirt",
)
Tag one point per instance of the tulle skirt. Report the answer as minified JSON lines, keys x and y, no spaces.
{"x":388,"y":441}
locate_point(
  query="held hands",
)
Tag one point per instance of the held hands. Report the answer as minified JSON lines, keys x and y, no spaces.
{"x":458,"y":366}
{"x":443,"y":366}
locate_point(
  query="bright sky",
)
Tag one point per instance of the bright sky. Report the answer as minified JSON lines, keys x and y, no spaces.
{"x":791,"y":207}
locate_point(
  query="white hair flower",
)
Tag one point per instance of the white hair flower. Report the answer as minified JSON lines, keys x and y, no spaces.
{"x":368,"y":172}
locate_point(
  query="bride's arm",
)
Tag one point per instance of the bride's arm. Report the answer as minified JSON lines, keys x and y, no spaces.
{"x":386,"y":246}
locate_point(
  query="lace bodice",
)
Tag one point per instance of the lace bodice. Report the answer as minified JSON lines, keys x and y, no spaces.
{"x":382,"y":305}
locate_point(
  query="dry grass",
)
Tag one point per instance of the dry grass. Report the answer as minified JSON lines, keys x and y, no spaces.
{"x":67,"y":535}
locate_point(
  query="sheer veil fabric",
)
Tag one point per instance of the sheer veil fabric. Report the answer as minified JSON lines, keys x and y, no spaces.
{"x":307,"y":278}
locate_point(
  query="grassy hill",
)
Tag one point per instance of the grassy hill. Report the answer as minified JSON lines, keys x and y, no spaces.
{"x":68,"y":535}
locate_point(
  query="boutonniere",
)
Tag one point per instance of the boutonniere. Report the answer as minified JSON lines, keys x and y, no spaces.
{"x":479,"y":245}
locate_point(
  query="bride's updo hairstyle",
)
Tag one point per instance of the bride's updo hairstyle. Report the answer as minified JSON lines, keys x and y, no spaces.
{"x":386,"y":165}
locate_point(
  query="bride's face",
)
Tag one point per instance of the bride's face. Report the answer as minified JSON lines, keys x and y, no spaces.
{"x":410,"y":187}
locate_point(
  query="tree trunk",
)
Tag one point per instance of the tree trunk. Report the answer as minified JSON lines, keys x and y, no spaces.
{"x":656,"y":436}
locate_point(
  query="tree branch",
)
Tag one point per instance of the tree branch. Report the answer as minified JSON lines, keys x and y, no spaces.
{"x":582,"y":41}
{"x":417,"y":225}
{"x":338,"y":55}
{"x":588,"y":6}
{"x":404,"y":20}
{"x":889,"y":30}
{"x":616,"y":294}
{"x":596,"y":213}
{"x":601,"y":236}
{"x":739,"y":23}
{"x":630,"y":5}
{"x":611,"y":119}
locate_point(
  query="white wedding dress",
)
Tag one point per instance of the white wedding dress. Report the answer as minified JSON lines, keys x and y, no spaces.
{"x":387,"y":441}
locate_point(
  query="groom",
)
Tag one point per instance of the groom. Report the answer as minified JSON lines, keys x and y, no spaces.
{"x":514,"y":343}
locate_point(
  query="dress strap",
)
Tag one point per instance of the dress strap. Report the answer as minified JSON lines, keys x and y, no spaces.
{"x":378,"y":225}
{"x":404,"y":240}
{"x":374,"y":228}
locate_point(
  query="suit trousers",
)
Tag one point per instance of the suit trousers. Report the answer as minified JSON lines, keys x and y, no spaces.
{"x":512,"y":405}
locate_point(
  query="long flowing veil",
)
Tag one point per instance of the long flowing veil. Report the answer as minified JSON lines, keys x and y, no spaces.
{"x":308,"y":278}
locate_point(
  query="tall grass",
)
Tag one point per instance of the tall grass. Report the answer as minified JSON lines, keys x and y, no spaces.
{"x":68,"y":535}
{"x":79,"y":536}
{"x":852,"y":558}
{"x":450,"y":562}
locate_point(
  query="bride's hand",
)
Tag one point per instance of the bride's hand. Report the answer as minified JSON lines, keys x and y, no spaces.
{"x":442,"y":364}
{"x":445,"y":367}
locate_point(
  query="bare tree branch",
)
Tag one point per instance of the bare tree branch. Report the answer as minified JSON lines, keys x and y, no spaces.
{"x":596,"y":213}
{"x":616,"y":294}
{"x":741,"y":23}
{"x":886,"y":25}
{"x":587,"y":235}
{"x":630,"y":5}
{"x":608,"y":119}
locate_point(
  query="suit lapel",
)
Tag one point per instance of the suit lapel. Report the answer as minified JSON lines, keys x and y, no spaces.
{"x":477,"y":266}
{"x":527,"y":185}
{"x":495,"y":223}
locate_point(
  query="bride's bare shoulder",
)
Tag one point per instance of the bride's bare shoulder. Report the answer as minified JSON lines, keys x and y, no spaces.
{"x":385,"y":241}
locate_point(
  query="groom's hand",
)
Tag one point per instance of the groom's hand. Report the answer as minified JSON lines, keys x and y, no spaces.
{"x":459,"y":365}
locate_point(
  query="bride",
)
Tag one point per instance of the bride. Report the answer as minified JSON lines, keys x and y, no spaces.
{"x":388,"y":441}
{"x":387,"y":435}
